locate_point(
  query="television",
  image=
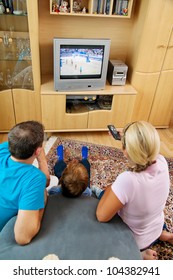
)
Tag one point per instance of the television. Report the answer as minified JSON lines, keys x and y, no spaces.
{"x":80,"y":64}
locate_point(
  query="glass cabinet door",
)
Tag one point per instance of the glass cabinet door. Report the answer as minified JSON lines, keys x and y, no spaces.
{"x":15,"y":52}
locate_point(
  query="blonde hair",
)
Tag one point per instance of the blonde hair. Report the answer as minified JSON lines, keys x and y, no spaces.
{"x":74,"y":179}
{"x":142,"y":143}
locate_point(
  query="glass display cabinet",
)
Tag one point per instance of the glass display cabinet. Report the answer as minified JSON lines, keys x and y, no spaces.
{"x":19,"y":92}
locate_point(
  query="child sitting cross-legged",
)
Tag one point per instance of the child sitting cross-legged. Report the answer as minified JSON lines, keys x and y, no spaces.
{"x":74,"y":177}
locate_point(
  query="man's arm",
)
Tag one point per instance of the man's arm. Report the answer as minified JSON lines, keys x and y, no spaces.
{"x":28,"y":224}
{"x":42,"y":165}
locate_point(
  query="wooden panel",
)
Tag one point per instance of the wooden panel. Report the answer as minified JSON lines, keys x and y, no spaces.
{"x":123,"y":106}
{"x":32,"y":7}
{"x":54,"y":116}
{"x":75,"y":121}
{"x":171,"y":121}
{"x":33,"y":22}
{"x":99,"y":119}
{"x":151,"y":52}
{"x":25,"y":105}
{"x":145,"y":84}
{"x":7,"y":118}
{"x":121,"y":113}
{"x":155,"y":36}
{"x":152,"y":26}
{"x":168,"y":62}
{"x":47,"y":88}
{"x":163,"y":101}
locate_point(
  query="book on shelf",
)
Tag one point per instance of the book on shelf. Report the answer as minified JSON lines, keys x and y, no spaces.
{"x":95,"y":4}
{"x":99,"y":6}
{"x":121,"y":7}
{"x":107,"y":7}
{"x":102,"y":6}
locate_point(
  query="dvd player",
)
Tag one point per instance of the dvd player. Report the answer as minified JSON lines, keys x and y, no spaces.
{"x":81,"y":97}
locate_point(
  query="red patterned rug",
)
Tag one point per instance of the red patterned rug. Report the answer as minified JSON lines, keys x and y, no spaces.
{"x":106,"y":163}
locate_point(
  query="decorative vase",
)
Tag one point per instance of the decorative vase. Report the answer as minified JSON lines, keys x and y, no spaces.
{"x":2,"y":8}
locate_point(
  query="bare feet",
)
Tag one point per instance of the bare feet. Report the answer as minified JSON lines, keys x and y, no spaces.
{"x":149,"y":254}
{"x":166,"y":236}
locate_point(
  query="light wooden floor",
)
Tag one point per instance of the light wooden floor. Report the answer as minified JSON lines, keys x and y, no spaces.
{"x":103,"y":138}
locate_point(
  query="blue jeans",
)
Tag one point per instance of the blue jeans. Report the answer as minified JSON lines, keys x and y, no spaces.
{"x":154,"y":242}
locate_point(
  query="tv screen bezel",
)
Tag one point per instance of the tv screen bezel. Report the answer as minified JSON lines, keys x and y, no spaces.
{"x":79,"y":83}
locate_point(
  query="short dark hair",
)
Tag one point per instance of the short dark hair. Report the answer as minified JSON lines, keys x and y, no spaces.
{"x":74,"y":179}
{"x":24,"y":138}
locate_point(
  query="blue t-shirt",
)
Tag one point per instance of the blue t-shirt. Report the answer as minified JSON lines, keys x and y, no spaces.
{"x":21,"y":186}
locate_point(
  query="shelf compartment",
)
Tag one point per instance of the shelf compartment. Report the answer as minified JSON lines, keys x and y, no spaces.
{"x":97,"y":8}
{"x":86,"y":103}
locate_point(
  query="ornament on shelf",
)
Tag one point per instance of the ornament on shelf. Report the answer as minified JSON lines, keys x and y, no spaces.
{"x":77,"y":7}
{"x":64,"y":7}
{"x":17,"y":7}
{"x":2,"y":8}
{"x":55,"y":7}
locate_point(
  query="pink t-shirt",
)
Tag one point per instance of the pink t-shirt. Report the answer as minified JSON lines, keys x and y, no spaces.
{"x":144,"y":195}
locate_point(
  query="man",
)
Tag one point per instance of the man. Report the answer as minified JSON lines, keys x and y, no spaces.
{"x":22,"y":185}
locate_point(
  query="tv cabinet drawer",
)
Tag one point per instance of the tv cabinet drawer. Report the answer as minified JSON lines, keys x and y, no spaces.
{"x":119,"y":115}
{"x":55,"y":118}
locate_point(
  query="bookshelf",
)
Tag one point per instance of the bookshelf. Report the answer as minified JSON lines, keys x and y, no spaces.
{"x":96,"y":8}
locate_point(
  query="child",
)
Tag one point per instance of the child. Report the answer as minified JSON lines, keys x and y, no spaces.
{"x":73,"y":178}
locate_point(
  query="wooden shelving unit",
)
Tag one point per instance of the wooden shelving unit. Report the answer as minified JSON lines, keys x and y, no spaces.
{"x":94,"y":8}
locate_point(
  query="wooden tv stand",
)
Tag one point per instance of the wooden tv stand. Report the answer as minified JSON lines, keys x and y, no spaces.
{"x":56,"y":116}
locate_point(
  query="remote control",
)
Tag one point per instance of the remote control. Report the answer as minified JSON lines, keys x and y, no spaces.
{"x":114,"y":132}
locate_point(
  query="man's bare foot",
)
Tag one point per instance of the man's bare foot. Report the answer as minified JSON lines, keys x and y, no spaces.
{"x":166,"y":236}
{"x":149,"y":254}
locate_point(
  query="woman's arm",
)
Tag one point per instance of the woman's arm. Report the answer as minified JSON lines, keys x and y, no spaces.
{"x":108,"y":206}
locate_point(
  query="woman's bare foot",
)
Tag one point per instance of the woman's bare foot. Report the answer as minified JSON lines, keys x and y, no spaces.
{"x":149,"y":254}
{"x":166,"y":236}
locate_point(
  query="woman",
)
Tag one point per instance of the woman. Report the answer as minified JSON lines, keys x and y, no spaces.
{"x":139,"y":194}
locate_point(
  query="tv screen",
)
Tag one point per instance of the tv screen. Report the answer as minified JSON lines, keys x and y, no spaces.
{"x":80,"y":64}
